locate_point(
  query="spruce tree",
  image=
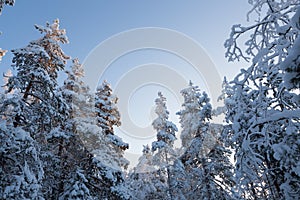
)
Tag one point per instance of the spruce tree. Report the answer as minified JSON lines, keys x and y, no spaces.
{"x":208,"y":168}
{"x":164,"y":153}
{"x":108,"y":114}
{"x":89,"y":150}
{"x":189,"y":115}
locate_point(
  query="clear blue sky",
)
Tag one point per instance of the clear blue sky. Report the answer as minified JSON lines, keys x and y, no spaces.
{"x":89,"y":23}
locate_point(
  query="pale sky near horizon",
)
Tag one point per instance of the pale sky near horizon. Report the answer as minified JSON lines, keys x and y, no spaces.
{"x":92,"y":22}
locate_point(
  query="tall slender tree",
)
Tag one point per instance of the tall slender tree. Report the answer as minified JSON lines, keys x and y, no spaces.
{"x":108,"y":114}
{"x":164,"y":152}
{"x":189,"y":115}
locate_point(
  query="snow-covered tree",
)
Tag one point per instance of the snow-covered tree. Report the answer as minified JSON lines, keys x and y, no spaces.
{"x":208,"y":169}
{"x":189,"y":115}
{"x":76,"y":187}
{"x":32,"y":103}
{"x":89,"y":147}
{"x":263,"y":103}
{"x":165,"y":129}
{"x":37,"y":66}
{"x":108,"y":114}
{"x":73,"y":86}
{"x":143,"y":181}
{"x":146,"y":185}
{"x":209,"y":176}
{"x":65,"y":150}
{"x":147,"y":181}
{"x":163,"y":148}
{"x":179,"y":181}
{"x":79,"y":101}
{"x":145,"y":163}
{"x":21,"y":169}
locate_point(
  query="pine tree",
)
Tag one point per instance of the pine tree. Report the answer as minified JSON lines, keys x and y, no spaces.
{"x":32,"y":103}
{"x":37,"y":66}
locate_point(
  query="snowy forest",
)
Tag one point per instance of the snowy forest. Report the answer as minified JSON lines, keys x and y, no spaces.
{"x":57,"y":139}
